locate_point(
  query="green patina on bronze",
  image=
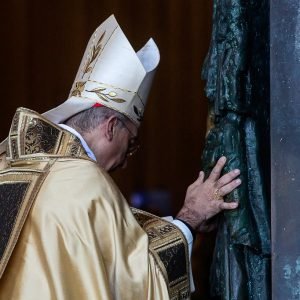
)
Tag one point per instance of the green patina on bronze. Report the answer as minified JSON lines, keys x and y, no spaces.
{"x":237,"y":74}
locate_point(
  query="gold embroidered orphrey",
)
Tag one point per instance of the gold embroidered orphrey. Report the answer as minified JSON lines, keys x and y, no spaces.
{"x":30,"y":134}
{"x":166,"y":242}
{"x":34,"y":145}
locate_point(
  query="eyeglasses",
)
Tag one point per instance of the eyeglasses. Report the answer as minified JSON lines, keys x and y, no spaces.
{"x":133,"y":143}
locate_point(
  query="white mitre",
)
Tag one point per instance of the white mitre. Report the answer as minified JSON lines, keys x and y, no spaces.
{"x":112,"y":74}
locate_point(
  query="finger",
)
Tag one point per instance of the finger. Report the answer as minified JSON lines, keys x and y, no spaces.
{"x":228,"y":205}
{"x":216,"y":171}
{"x":228,"y":177}
{"x":201,"y":176}
{"x":226,"y":189}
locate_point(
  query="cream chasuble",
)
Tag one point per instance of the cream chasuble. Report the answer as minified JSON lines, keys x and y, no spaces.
{"x":68,"y":233}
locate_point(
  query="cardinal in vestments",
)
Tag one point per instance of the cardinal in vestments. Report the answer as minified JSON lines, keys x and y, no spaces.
{"x":66,"y":230}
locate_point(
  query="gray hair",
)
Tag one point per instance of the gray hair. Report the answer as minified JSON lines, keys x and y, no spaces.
{"x":87,"y":120}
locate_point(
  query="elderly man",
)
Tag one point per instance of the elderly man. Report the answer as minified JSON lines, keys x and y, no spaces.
{"x":66,"y":230}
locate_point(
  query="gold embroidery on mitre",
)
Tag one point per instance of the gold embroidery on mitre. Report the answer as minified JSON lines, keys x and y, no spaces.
{"x":95,"y":52}
{"x":79,"y":88}
{"x":110,"y":96}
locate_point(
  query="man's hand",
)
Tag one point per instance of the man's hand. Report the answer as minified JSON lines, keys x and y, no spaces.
{"x":204,"y":199}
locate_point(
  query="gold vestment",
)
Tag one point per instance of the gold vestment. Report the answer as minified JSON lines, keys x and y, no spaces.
{"x":68,"y":233}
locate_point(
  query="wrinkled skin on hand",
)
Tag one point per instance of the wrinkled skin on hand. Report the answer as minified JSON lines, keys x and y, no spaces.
{"x":204,"y":198}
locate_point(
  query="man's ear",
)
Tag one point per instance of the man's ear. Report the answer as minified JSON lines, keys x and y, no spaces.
{"x":110,"y":127}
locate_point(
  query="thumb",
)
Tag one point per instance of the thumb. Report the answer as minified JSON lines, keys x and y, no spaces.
{"x":228,"y":205}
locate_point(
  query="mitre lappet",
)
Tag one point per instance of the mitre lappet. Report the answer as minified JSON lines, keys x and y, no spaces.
{"x":111,"y":74}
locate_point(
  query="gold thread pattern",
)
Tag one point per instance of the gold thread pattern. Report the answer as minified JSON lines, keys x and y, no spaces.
{"x":25,"y":144}
{"x":78,"y":89}
{"x":37,"y":135}
{"x":95,"y":52}
{"x":110,"y":96}
{"x":40,"y":137}
{"x":26,"y":184}
{"x":169,"y":249}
